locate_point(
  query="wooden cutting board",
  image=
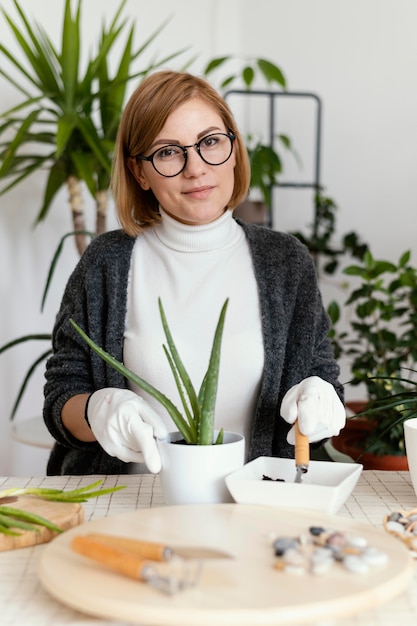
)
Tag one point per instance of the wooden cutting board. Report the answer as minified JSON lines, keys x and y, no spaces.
{"x":64,"y":514}
{"x":243,"y":591}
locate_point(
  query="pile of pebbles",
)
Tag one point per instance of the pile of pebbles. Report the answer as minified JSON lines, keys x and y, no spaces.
{"x":403,"y":525}
{"x":321,"y":549}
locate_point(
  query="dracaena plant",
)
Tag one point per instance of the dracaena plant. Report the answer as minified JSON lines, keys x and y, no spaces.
{"x":196,"y":422}
{"x":66,"y":122}
{"x":70,"y":114}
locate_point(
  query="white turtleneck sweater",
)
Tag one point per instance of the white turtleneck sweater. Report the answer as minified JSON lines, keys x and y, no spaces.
{"x":193,"y":269}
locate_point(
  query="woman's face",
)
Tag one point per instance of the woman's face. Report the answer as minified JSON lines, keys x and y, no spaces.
{"x":201,"y":192}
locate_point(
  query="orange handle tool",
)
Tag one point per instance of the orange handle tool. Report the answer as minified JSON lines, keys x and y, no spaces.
{"x":118,"y":560}
{"x":144,"y":549}
{"x":302,"y":453}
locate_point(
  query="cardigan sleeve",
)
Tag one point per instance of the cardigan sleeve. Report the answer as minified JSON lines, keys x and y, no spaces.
{"x":95,"y":297}
{"x":295,"y":331}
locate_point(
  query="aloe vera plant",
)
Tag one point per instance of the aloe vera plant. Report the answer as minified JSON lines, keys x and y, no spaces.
{"x":14,"y":520}
{"x":196,"y":424}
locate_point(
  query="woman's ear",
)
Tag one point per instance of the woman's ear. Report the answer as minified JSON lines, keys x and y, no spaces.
{"x":138,"y":174}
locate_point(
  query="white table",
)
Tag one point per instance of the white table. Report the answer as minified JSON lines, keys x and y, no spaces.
{"x":23,"y":600}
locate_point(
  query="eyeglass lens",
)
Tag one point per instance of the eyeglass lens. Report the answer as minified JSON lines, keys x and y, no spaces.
{"x":214,"y":149}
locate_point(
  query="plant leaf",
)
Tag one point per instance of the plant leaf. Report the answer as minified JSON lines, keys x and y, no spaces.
{"x":211,"y":383}
{"x":176,"y":416}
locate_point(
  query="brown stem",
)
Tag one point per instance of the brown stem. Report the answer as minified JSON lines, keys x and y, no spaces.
{"x":101,"y":211}
{"x":77,"y":210}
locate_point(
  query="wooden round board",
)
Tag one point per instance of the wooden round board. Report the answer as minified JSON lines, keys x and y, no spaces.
{"x":244,"y":591}
{"x":63,"y":514}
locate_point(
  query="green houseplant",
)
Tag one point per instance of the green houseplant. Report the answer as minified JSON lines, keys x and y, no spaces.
{"x":70,"y":114}
{"x":265,"y":160}
{"x":195,"y":472}
{"x":196,"y":424}
{"x":381,"y":342}
{"x":66,"y":122}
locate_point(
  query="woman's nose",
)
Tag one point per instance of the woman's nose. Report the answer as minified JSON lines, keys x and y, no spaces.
{"x":195,"y":164}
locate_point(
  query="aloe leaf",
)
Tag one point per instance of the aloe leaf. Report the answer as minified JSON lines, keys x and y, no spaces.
{"x":192,"y":420}
{"x":5,"y":530}
{"x":18,"y":514}
{"x":219,"y":438}
{"x":211,"y":384}
{"x":10,"y":521}
{"x":176,"y":416}
{"x":186,"y":380}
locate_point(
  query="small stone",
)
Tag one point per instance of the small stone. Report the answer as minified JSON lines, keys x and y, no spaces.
{"x":336,"y":540}
{"x":357,"y":541}
{"x":295,"y":562}
{"x":322,"y":554}
{"x":395,"y":527}
{"x":294,"y":557}
{"x":355,"y":564}
{"x":395,"y":516}
{"x":316,"y":531}
{"x":373,"y":556}
{"x":282,"y":544}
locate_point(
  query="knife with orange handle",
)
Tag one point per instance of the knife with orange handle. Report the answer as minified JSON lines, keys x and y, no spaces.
{"x":302,"y":453}
{"x":155,"y":551}
{"x":116,"y":559}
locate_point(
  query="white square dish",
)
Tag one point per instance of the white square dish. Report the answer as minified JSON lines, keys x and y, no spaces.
{"x":325,"y":487}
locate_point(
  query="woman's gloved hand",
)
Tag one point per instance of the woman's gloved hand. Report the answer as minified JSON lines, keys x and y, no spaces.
{"x":316,"y":405}
{"x":126,"y":426}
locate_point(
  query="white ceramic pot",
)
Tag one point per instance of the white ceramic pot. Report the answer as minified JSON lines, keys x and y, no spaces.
{"x":195,"y":474}
{"x":410,"y":436}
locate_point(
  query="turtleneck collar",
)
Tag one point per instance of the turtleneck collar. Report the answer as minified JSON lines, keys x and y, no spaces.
{"x":221,"y":233}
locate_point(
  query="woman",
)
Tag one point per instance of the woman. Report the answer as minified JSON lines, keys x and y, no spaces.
{"x":180,"y":169}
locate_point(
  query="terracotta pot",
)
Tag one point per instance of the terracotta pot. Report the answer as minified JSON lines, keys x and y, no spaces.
{"x":351,"y":442}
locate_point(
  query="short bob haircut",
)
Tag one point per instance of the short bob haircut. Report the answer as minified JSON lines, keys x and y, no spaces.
{"x":144,"y":116}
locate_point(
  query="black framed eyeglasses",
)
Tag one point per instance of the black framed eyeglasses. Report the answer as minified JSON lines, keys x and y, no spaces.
{"x":170,"y":160}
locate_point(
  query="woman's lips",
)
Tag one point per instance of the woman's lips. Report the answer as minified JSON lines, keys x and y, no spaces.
{"x":199,"y":192}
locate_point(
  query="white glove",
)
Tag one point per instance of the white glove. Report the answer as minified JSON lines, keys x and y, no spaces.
{"x":125,"y":426}
{"x":316,"y":405}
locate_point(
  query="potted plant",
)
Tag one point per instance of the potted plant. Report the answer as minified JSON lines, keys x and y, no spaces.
{"x":71,"y":116}
{"x":266,"y":163}
{"x":319,"y":238}
{"x":381,"y":342}
{"x":193,"y":472}
{"x":66,"y":123}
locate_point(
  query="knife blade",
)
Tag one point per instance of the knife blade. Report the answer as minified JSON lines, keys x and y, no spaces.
{"x":155,"y":551}
{"x":302,"y":453}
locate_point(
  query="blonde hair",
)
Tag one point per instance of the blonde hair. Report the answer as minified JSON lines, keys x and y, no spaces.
{"x":144,"y":116}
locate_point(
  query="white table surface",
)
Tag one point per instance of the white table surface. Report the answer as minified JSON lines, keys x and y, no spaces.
{"x":23,"y":600}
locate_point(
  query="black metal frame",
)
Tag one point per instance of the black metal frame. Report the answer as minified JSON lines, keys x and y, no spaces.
{"x":273,"y":96}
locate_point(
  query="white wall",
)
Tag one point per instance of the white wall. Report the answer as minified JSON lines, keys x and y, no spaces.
{"x":359,"y":57}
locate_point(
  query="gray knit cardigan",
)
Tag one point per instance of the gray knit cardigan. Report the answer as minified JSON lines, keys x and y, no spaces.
{"x":294,"y":323}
